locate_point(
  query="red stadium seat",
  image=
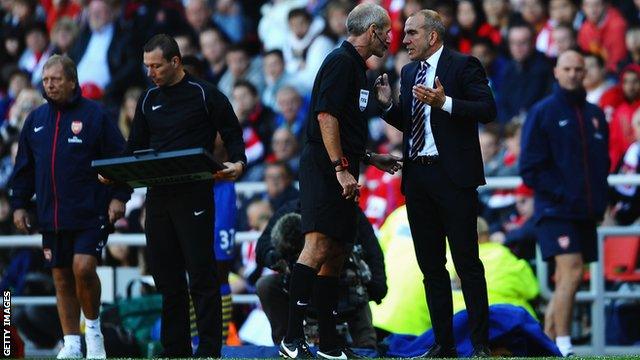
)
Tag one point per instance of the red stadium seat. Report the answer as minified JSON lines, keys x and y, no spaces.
{"x":621,"y":258}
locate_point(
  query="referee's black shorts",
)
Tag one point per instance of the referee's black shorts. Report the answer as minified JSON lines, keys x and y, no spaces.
{"x":323,"y":207}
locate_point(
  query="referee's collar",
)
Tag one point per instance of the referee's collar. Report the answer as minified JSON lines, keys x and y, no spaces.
{"x":352,"y":50}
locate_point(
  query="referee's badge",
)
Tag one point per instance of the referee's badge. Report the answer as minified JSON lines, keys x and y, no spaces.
{"x":364,"y":99}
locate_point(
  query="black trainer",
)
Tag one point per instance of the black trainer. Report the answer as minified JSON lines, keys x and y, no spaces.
{"x":297,"y":349}
{"x":340,"y":353}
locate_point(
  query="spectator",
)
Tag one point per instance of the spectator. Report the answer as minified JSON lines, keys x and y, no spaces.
{"x":128,"y":110}
{"x":186,"y":44}
{"x":620,"y":127}
{"x":627,"y":197}
{"x":467,"y":23}
{"x":632,"y":41}
{"x":603,"y":32}
{"x":273,"y":29}
{"x":279,"y":180}
{"x":336,"y":20}
{"x":497,"y":20}
{"x":241,"y":67}
{"x":518,"y":231}
{"x":104,"y":53}
{"x":63,"y":35}
{"x":306,"y":47}
{"x":27,"y":101}
{"x":275,"y":76}
{"x":285,"y":148}
{"x":512,"y":150}
{"x":230,"y":18}
{"x":533,"y":12}
{"x":561,"y":12}
{"x":256,"y":121}
{"x":37,"y":52}
{"x":595,"y":78}
{"x":526,"y":78}
{"x":57,"y":10}
{"x":489,"y":137}
{"x":214,"y":43}
{"x":291,"y":112}
{"x":258,"y":214}
{"x":564,"y":38}
{"x":491,"y":60}
{"x":198,"y":14}
{"x":18,"y":81}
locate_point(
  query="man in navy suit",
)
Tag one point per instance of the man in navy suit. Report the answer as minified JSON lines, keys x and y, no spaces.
{"x":443,"y":96}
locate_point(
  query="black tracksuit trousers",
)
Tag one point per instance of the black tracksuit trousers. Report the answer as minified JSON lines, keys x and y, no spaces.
{"x":179,"y":230}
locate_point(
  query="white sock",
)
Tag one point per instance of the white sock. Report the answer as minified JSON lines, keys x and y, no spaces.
{"x":92,"y":326}
{"x":72,"y":341}
{"x":564,"y":344}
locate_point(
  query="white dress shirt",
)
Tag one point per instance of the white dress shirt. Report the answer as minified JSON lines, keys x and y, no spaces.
{"x":430,"y":144}
{"x":94,"y":65}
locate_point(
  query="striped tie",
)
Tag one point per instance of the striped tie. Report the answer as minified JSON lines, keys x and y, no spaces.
{"x":417,"y":119}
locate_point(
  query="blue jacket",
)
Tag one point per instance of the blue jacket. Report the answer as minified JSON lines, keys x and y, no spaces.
{"x":57,"y":145}
{"x":564,"y":156}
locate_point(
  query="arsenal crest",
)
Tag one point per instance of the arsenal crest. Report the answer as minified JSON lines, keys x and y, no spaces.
{"x":595,"y":122}
{"x":564,"y":241}
{"x":76,"y":127}
{"x":47,"y":254}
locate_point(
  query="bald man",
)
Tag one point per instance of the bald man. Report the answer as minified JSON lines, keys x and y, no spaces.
{"x":565,"y":160}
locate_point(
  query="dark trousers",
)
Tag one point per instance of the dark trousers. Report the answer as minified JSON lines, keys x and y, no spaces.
{"x":179,"y":229}
{"x":275,"y":303}
{"x":439,"y":210}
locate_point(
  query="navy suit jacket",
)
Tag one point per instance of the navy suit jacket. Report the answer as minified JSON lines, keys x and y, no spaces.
{"x":455,"y":134}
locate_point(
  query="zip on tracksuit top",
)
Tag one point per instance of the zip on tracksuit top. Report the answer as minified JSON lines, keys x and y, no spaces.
{"x":56,"y":147}
{"x":185,"y":115}
{"x":565,"y":156}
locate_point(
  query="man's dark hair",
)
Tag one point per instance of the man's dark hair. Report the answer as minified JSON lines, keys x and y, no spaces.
{"x":166,"y":44}
{"x":287,"y":236}
{"x":221,"y":34}
{"x":276,"y":52}
{"x":194,"y":65}
{"x":485,"y":42}
{"x":598,"y":57}
{"x":300,"y":12}
{"x":282,"y":164}
{"x":248,"y":85}
{"x":239,"y":47}
{"x":521,"y":24}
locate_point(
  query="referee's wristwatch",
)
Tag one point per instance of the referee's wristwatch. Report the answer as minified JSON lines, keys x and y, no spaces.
{"x":341,"y":164}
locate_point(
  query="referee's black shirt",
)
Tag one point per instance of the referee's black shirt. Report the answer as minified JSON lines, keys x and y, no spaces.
{"x":341,"y":89}
{"x":185,"y":115}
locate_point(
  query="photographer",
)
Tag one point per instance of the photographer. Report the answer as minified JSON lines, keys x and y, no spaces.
{"x":363,"y":276}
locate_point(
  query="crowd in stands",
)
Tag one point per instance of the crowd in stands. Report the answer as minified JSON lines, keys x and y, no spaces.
{"x":263,"y":55}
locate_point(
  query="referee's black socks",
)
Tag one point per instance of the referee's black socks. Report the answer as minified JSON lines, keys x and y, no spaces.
{"x":302,"y":279}
{"x":326,"y":299}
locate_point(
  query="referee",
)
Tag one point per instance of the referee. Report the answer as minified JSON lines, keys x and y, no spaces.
{"x":183,"y":112}
{"x":329,"y":167}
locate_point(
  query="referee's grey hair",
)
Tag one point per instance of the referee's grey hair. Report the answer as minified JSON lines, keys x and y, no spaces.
{"x":365,"y":15}
{"x":433,"y":21}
